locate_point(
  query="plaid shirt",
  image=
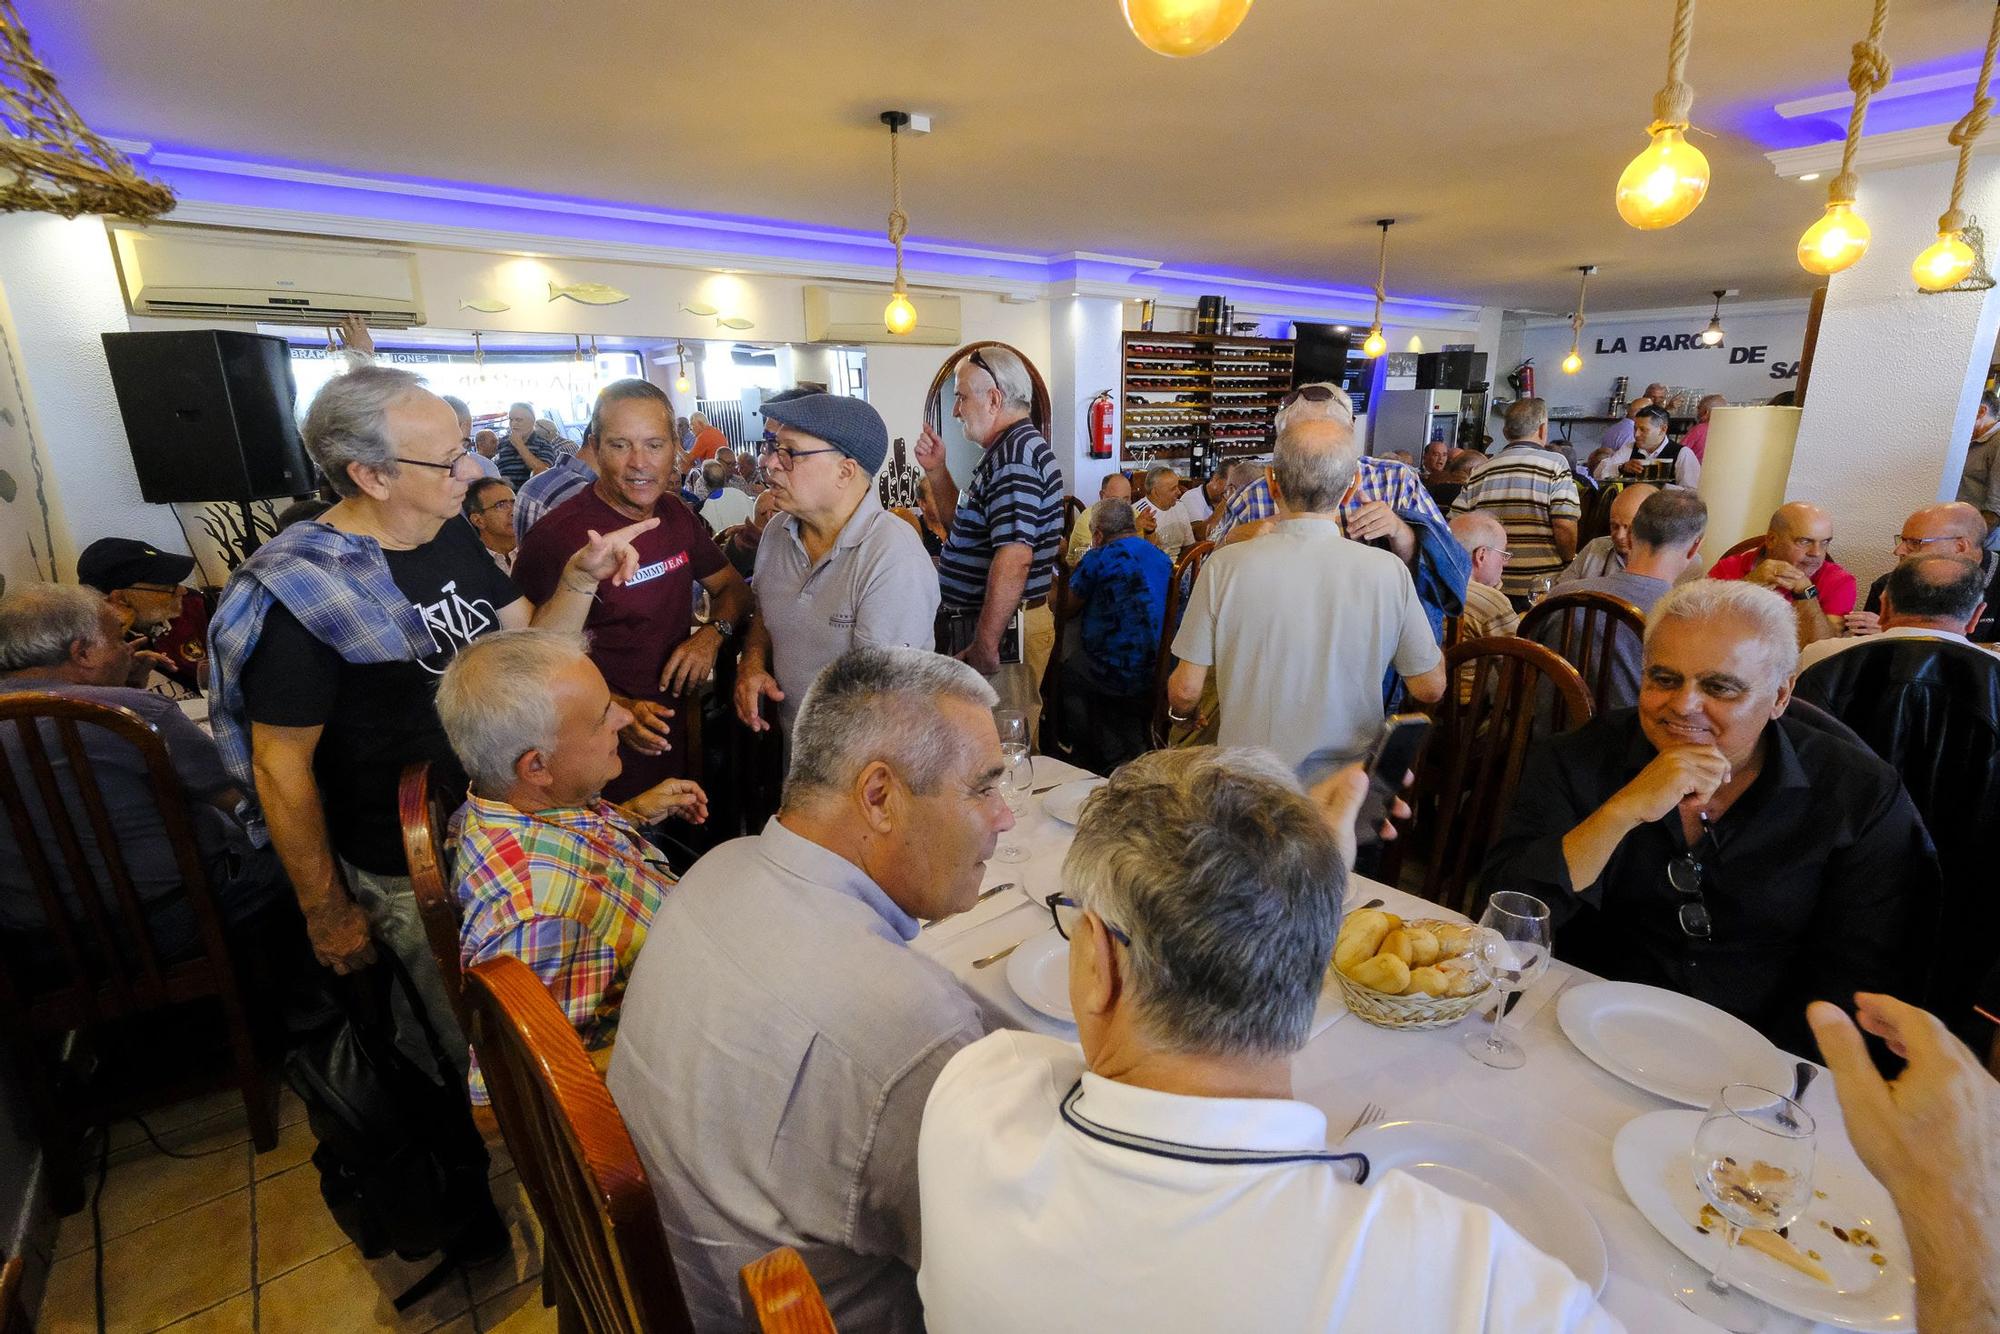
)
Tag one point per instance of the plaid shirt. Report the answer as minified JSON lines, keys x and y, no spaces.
{"x":546,"y":490}
{"x":339,"y":587}
{"x":569,"y":893}
{"x":1395,"y":484}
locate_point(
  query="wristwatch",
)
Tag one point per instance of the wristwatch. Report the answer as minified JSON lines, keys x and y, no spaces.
{"x":725,"y":628}
{"x":1812,"y":591}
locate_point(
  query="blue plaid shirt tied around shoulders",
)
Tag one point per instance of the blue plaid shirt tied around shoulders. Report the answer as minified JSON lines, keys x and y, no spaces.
{"x":339,"y":587}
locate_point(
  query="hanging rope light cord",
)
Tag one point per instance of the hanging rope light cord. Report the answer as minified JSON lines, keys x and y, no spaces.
{"x":1669,"y":179}
{"x":1573,"y":363}
{"x":1950,"y":259}
{"x":899,"y":317}
{"x":1375,"y":344}
{"x":1841,"y":236}
{"x":1675,"y":100}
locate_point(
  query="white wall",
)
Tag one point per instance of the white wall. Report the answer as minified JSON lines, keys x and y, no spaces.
{"x":34,"y":533}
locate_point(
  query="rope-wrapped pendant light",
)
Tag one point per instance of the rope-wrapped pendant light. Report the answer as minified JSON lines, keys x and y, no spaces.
{"x":1665,"y":182}
{"x":900,"y":316}
{"x":1841,"y":235}
{"x":1950,"y":263}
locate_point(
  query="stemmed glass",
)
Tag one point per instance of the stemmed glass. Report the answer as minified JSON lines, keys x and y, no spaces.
{"x":1753,"y":1161}
{"x":1017,"y":774}
{"x":1510,"y":950}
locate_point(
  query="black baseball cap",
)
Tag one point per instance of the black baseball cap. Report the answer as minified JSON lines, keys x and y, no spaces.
{"x":111,"y":563}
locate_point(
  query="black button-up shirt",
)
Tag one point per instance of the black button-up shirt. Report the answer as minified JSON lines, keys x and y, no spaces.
{"x":1820,"y":880}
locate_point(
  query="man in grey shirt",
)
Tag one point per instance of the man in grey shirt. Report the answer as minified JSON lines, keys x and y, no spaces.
{"x":838,"y":571}
{"x":1666,"y":543}
{"x":778,"y":1039}
{"x":1301,"y":626}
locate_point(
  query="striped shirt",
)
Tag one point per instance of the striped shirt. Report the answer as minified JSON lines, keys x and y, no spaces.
{"x":546,"y":490}
{"x":1016,"y":497}
{"x":568,"y":892}
{"x":1526,"y":488}
{"x":1395,"y":484}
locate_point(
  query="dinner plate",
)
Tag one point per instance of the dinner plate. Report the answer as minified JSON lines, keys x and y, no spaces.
{"x":1482,"y":1170}
{"x":1066,"y":802}
{"x":1675,"y":1046}
{"x":1038,"y":970}
{"x":1650,"y":1156}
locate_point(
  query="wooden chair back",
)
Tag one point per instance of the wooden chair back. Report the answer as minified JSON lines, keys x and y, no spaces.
{"x":1755,"y":543}
{"x":105,"y":964}
{"x":14,"y":1315}
{"x":1050,"y":687}
{"x":426,"y":816}
{"x":779,"y":1292}
{"x":1186,"y":570}
{"x":1588,"y":629}
{"x":1040,"y":405}
{"x":1075,"y":511}
{"x":1466,"y":777}
{"x":606,"y":1251}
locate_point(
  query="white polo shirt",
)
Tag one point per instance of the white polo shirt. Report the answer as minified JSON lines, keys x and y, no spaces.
{"x":1130,"y":1209}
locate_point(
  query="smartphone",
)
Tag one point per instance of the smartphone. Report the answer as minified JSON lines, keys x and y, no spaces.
{"x":1395,"y":754}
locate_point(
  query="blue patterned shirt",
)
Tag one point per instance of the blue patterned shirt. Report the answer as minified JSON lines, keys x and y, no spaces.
{"x":546,"y":490}
{"x":1395,"y":484}
{"x":1124,"y":587}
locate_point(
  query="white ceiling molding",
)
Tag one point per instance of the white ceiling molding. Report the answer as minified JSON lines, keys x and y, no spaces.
{"x":1669,"y":314}
{"x":1803,"y":107}
{"x":1897,"y":148}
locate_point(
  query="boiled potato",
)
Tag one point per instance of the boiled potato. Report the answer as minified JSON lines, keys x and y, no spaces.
{"x":1360,"y":938}
{"x":1423,"y":946}
{"x":1401,"y":944}
{"x":1430,"y":981}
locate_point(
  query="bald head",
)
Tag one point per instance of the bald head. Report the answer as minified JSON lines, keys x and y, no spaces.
{"x":1801,"y":533}
{"x":1623,"y":508}
{"x":1657,"y":392}
{"x":1951,"y":529}
{"x":1638,"y":405}
{"x":1485,"y":541}
{"x":1314,"y":464}
{"x":1708,"y":404}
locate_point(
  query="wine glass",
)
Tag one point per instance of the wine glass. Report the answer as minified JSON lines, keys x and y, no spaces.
{"x":1753,"y":1162}
{"x":1017,"y":775}
{"x":1510,"y":949}
{"x":1542,"y":587}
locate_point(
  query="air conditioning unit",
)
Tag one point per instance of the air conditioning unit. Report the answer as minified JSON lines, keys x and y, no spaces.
{"x":854,"y":315}
{"x":192,"y":273}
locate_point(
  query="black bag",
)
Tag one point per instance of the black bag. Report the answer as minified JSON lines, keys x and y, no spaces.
{"x":401,"y":1166}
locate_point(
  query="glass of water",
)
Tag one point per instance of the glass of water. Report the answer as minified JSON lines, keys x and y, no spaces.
{"x":1753,"y":1162}
{"x":1017,"y":775}
{"x":1510,"y":950}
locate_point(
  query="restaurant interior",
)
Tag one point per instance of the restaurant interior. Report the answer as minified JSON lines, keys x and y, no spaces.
{"x":1175,"y":213}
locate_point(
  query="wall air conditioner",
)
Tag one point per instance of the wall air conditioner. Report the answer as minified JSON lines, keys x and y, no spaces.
{"x":197,"y":273}
{"x":854,"y":315}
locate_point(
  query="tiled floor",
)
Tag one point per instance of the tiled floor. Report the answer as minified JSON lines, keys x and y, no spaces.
{"x":236,"y":1241}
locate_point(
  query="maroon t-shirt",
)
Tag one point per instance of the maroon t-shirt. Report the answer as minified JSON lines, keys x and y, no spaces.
{"x":634,"y":626}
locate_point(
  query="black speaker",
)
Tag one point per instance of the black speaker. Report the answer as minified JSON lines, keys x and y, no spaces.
{"x":208,"y":413}
{"x":1319,"y":354}
{"x":1450,"y":370}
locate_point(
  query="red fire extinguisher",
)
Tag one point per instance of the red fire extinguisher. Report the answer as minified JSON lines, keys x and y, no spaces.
{"x":1102,"y":411}
{"x":1528,"y":378}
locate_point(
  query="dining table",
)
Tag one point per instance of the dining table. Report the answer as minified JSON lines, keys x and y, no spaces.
{"x":1559,"y":1109}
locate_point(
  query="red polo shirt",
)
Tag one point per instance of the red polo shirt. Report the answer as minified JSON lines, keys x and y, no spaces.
{"x":1835,"y":585}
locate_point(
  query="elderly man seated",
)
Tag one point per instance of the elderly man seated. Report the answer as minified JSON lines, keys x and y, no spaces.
{"x":1118,"y":594}
{"x":1712,"y":844}
{"x":1606,"y":555}
{"x":1795,"y":559}
{"x":1161,"y":519}
{"x":1939,"y":598}
{"x":1114,"y":486}
{"x":548,"y":871}
{"x":779,"y":1039}
{"x":1163,"y":1177}
{"x":1487,"y":610}
{"x":1951,"y":529}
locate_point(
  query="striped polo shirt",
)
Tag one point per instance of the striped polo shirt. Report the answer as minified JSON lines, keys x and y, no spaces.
{"x":1016,"y":496}
{"x":1526,"y":488}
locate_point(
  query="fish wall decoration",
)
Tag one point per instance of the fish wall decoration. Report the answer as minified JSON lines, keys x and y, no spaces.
{"x":737,"y":323}
{"x":590,"y":294}
{"x":703,"y":311}
{"x":485,"y":306}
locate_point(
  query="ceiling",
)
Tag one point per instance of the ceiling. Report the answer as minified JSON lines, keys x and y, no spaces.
{"x":1493,"y":133}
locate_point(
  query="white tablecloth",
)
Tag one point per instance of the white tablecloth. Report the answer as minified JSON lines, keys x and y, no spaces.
{"x":1560,"y":1109}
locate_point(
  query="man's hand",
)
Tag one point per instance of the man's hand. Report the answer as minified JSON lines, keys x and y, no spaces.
{"x":1339,"y":797}
{"x":675,"y":796}
{"x":354,"y":334}
{"x":692,"y":661}
{"x":981,"y":658}
{"x":929,"y":449}
{"x":753,"y":687}
{"x":338,"y":930}
{"x":607,"y":556}
{"x":1779,"y":574}
{"x":144,"y":663}
{"x":647,"y":733}
{"x":1859,"y":623}
{"x":1377,"y":519}
{"x":1145,"y":521}
{"x":1677,"y":774}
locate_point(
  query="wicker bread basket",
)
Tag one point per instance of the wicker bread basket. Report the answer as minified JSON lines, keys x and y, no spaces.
{"x":1413,"y":1011}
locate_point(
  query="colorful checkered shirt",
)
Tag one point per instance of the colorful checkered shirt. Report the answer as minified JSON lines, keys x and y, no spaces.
{"x":1395,"y":484}
{"x":1527,"y":488}
{"x":569,"y":892}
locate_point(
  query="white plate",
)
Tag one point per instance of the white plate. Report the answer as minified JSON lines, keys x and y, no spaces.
{"x":1650,"y":1156}
{"x":1038,"y":970}
{"x":1066,"y":802}
{"x":1482,"y":1170}
{"x":1675,"y":1046}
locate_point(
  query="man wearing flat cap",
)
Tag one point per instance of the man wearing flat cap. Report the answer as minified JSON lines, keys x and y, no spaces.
{"x":837,"y":571}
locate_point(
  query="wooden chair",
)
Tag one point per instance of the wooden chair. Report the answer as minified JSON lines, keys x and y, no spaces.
{"x":779,"y":1291}
{"x":1053,"y":741}
{"x":1186,"y":570}
{"x":1075,"y":511}
{"x":1747,"y":544}
{"x":426,"y":816}
{"x":1040,"y":407}
{"x":1466,"y":778}
{"x":14,"y":1314}
{"x":605,"y":1253}
{"x":1586,"y":629}
{"x":105,"y":966}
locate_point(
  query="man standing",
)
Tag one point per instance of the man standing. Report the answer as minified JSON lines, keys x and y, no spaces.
{"x":777,"y":982}
{"x":1696,"y":440}
{"x":639,"y":630}
{"x":1302,"y":625}
{"x":1114,"y":486}
{"x":1487,"y":610}
{"x":489,"y":508}
{"x":1160,"y":518}
{"x":1607,"y":555}
{"x":1795,"y":560}
{"x":1118,"y":595}
{"x":483,"y":447}
{"x":838,"y":572}
{"x":569,"y":474}
{"x":525,"y":451}
{"x":1951,"y":529}
{"x":1531,"y":492}
{"x":1979,"y":483}
{"x":1649,"y":445}
{"x":999,"y":559}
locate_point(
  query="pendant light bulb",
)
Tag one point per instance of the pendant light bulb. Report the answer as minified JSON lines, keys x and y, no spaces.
{"x":1415,"y":344}
{"x":1375,"y":344}
{"x":1944,"y":263}
{"x":1712,"y":336}
{"x":899,"y":317}
{"x":1664,"y":183}
{"x":1184,"y":27}
{"x":1836,"y":241}
{"x":682,"y":384}
{"x":1572,"y":363}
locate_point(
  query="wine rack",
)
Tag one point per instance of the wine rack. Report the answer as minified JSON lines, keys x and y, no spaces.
{"x":1198,"y":400}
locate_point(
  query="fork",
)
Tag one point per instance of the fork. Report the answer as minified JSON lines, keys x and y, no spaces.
{"x":1370,"y":1114}
{"x":998,"y":955}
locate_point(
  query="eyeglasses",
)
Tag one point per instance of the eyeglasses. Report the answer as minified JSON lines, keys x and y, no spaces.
{"x":507,"y":504}
{"x":1505,"y":555}
{"x":1685,"y":874}
{"x":1311,"y":393}
{"x":1919,"y":543}
{"x":1067,"y":912}
{"x":770,"y":454}
{"x":449,"y":465}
